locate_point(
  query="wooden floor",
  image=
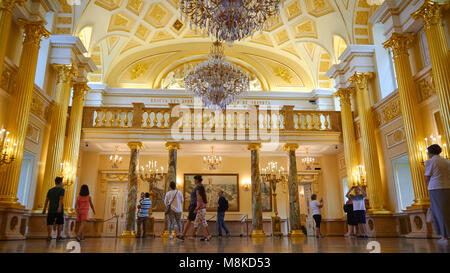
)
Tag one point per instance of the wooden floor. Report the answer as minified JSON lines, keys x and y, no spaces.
{"x":228,"y":245}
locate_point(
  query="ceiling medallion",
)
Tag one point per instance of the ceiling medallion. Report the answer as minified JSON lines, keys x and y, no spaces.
{"x":230,"y":20}
{"x":217,"y":82}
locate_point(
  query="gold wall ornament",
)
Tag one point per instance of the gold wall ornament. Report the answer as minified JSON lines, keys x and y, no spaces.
{"x":138,"y":70}
{"x":283,"y":73}
{"x":9,"y":5}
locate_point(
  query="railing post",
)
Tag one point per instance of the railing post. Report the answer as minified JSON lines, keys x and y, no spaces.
{"x":138,"y":111}
{"x":88,"y":117}
{"x":288,"y":117}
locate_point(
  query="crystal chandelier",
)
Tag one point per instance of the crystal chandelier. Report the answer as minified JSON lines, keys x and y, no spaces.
{"x":7,"y":148}
{"x":217,"y":82}
{"x":212,"y":161}
{"x":308,"y":160}
{"x":230,"y":20}
{"x":115,"y":159}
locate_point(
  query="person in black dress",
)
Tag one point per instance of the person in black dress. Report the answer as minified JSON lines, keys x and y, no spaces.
{"x":351,"y":221}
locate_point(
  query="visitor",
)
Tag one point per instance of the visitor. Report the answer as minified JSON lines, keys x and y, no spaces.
{"x":200,"y":211}
{"x":351,"y":223}
{"x":221,"y":209}
{"x":317,"y":215}
{"x":82,"y":205}
{"x":174,"y":201}
{"x":359,"y":209}
{"x":437,"y":177}
{"x":54,"y":200}
{"x":143,"y":208}
{"x":192,"y":205}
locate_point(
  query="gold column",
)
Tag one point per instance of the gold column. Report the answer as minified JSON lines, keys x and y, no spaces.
{"x":6,"y":9}
{"x":20,"y":110}
{"x":257,"y":220}
{"x":58,"y":130}
{"x":172,"y":147}
{"x":294,"y":201}
{"x":348,"y":133}
{"x":412,"y":122}
{"x":72,"y":144}
{"x":130,"y":221}
{"x":368,"y":141}
{"x":430,"y":12}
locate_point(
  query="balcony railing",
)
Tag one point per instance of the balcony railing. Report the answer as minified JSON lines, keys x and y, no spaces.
{"x":139,"y":117}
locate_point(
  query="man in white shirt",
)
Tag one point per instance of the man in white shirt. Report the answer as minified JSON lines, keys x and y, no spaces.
{"x":174,"y":202}
{"x":316,"y":213}
{"x":437,"y":177}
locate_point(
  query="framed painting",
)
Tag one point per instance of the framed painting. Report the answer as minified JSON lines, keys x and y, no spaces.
{"x":266,"y":196}
{"x":159,"y":192}
{"x":213,"y":183}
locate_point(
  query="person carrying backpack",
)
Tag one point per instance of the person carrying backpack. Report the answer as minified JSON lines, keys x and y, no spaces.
{"x":223,"y":206}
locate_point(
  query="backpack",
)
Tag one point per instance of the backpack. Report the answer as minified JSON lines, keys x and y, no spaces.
{"x":226,"y":204}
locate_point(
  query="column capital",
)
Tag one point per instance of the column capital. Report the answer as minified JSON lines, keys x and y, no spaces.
{"x":34,"y":31}
{"x":10,"y":4}
{"x":65,"y":72}
{"x":254,"y":146}
{"x":135,"y":145}
{"x":80,"y":89}
{"x":290,"y":146}
{"x":172,"y":145}
{"x":360,"y":79}
{"x":430,"y":13}
{"x":344,"y":95}
{"x":399,"y":43}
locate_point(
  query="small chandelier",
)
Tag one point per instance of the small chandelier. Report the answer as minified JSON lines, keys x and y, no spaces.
{"x":7,"y":148}
{"x":308,"y":160}
{"x":230,"y":20}
{"x":217,"y":82}
{"x":115,"y":159}
{"x":212,"y":161}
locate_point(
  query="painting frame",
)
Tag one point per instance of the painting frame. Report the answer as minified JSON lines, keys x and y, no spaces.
{"x":266,"y":195}
{"x":233,"y":206}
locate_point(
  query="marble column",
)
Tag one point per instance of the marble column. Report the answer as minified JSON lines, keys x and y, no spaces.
{"x":130,"y":220}
{"x":257,"y":219}
{"x":20,"y":107}
{"x":412,"y":121}
{"x":58,"y":129}
{"x":72,"y":144}
{"x":6,"y":15}
{"x":431,"y":15}
{"x":294,"y":199}
{"x":172,"y":147}
{"x":348,"y":133}
{"x":368,"y":141}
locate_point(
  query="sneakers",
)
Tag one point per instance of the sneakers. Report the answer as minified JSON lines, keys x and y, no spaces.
{"x":228,"y":234}
{"x":59,"y":239}
{"x":49,"y":239}
{"x":443,"y":241}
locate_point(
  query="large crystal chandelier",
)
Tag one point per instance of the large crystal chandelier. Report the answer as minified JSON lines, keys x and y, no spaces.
{"x":230,"y":20}
{"x":212,"y":161}
{"x":216,"y":81}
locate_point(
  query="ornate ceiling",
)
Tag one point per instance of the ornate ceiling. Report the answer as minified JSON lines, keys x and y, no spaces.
{"x":143,"y":43}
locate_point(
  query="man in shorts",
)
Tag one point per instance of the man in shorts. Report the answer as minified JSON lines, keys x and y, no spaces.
{"x":54,"y":201}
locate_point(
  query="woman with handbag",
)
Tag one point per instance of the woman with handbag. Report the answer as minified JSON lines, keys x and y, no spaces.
{"x":174,"y":201}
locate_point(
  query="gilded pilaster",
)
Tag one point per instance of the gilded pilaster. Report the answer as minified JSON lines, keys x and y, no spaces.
{"x":57,"y":133}
{"x":172,"y":147}
{"x":257,"y":220}
{"x":430,"y":13}
{"x":348,"y":133}
{"x":6,"y":14}
{"x":20,"y":109}
{"x":412,"y":122}
{"x":294,"y":202}
{"x":368,"y":141}
{"x":72,"y":145}
{"x":130,"y":221}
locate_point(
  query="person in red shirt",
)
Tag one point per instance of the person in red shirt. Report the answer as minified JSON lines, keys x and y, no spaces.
{"x":82,"y":205}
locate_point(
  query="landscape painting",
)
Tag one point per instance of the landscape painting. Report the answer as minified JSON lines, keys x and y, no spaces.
{"x":213,"y":183}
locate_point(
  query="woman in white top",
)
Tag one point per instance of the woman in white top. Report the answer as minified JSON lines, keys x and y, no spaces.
{"x":317,"y":215}
{"x":437,"y":177}
{"x":174,"y":202}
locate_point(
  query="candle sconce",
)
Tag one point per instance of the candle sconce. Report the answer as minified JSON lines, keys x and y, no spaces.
{"x":7,"y":148}
{"x":67,"y":173}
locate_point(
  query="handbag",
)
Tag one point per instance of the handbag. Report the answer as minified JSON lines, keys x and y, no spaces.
{"x":169,"y":206}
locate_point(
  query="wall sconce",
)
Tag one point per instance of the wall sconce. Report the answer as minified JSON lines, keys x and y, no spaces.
{"x":246,"y":184}
{"x":67,"y":173}
{"x":7,"y":148}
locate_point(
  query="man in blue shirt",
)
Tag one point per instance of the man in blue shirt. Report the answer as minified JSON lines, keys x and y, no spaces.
{"x":144,"y":207}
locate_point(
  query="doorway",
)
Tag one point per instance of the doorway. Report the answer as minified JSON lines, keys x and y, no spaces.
{"x":305,"y":191}
{"x":403,"y":182}
{"x":116,"y":196}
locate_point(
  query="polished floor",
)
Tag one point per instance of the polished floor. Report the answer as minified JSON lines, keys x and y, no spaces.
{"x":229,"y":245}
